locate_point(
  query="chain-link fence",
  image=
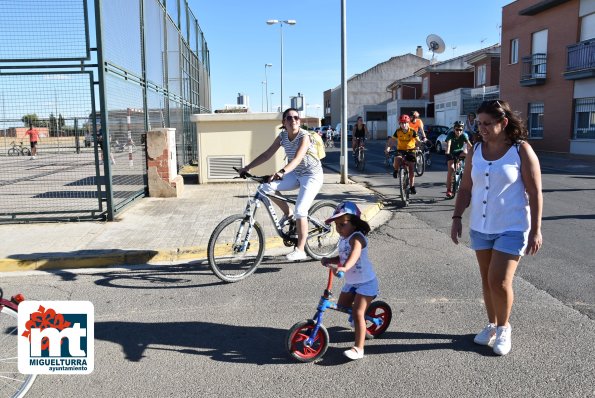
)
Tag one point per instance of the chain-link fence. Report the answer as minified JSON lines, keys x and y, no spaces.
{"x":90,"y":78}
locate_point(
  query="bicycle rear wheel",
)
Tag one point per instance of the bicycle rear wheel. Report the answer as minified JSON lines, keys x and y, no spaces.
{"x":404,"y":185}
{"x":234,"y":252}
{"x":323,"y":239}
{"x":420,"y":163}
{"x":378,"y":309}
{"x":12,"y":382}
{"x":13,"y":152}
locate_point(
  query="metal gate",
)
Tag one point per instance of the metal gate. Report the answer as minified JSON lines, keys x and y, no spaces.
{"x":91,"y":78}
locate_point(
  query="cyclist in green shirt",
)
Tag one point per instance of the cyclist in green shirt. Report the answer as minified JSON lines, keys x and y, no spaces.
{"x":456,"y":142}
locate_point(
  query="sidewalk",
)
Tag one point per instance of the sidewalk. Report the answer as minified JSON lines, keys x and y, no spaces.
{"x":153,"y":231}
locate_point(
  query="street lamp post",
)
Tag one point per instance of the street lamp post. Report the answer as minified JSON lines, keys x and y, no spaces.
{"x":288,"y":22}
{"x":266,"y":82}
{"x":263,"y":94}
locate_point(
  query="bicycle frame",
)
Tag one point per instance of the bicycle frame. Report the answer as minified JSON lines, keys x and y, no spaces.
{"x":260,"y":197}
{"x":326,"y":302}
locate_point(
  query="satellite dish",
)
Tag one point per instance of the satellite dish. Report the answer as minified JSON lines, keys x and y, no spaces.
{"x":435,"y":45}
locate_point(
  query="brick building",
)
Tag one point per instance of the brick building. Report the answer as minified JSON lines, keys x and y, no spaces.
{"x":548,"y":71}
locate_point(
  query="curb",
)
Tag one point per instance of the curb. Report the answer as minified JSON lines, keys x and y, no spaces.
{"x":131,"y":257}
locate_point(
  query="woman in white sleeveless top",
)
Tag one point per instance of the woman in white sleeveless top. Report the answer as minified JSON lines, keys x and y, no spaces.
{"x":502,"y":185}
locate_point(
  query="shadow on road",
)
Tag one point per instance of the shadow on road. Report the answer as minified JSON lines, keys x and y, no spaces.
{"x":170,"y":277}
{"x":259,"y":345}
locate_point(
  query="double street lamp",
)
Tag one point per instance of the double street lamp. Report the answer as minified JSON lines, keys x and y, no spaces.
{"x":287,"y":22}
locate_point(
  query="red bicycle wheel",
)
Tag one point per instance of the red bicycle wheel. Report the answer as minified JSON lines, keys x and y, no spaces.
{"x":378,"y":309}
{"x":299,"y":333}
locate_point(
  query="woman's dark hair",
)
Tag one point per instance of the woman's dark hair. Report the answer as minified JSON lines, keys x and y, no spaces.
{"x":289,"y":110}
{"x":472,"y":114}
{"x":498,"y":109}
{"x":359,"y":224}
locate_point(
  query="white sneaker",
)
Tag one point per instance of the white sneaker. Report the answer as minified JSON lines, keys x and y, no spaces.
{"x":503,"y":342}
{"x":32,"y":157}
{"x":487,"y":335}
{"x":354,"y":353}
{"x":296,"y":255}
{"x":286,"y":219}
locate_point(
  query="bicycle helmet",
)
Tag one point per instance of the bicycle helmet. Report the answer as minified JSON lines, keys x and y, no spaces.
{"x":344,"y":208}
{"x":404,"y":119}
{"x":458,"y":123}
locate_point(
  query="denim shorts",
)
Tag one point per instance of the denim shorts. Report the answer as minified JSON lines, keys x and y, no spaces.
{"x":511,"y":242}
{"x":369,"y":288}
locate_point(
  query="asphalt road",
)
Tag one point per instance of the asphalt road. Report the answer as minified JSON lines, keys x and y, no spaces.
{"x":178,"y":332}
{"x":564,"y":268}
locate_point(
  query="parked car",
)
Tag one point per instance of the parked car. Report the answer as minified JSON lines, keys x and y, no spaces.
{"x":433,"y":131}
{"x":440,"y":142}
{"x":349,"y":130}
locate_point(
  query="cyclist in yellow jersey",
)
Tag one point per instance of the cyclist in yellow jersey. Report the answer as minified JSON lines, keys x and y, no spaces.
{"x":407,"y":141}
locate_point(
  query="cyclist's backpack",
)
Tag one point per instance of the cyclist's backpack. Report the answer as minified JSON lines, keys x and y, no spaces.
{"x":318,"y":150}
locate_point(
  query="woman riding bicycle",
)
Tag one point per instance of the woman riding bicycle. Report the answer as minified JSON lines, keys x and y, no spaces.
{"x":456,"y":142}
{"x":303,"y":171}
{"x":359,"y":133}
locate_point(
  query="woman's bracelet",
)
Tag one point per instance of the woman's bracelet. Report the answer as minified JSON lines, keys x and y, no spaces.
{"x":459,"y":217}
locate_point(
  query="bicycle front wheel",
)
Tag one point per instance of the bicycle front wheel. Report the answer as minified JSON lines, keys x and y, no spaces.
{"x":12,"y":382}
{"x":361,"y":161}
{"x":420,"y":164}
{"x":404,"y":185}
{"x":235,"y":248}
{"x":323,"y":239}
{"x":13,"y":152}
{"x":297,"y":337}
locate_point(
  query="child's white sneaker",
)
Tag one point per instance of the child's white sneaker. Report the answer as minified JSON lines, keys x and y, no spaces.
{"x":354,"y":353}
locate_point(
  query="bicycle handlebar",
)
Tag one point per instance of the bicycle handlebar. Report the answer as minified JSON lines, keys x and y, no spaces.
{"x":260,"y":179}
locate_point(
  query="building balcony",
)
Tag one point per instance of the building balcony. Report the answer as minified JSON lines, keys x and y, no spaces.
{"x":580,"y":60}
{"x":534,"y":70}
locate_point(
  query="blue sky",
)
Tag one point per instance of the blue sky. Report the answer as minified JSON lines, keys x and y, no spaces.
{"x":240,"y":41}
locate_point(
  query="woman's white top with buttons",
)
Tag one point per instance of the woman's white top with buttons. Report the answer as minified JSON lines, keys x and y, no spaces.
{"x":362,"y":271}
{"x":499,"y":201}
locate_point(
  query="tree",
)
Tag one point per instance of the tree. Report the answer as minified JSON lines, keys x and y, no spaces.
{"x":30,"y":118}
{"x":52,"y":125}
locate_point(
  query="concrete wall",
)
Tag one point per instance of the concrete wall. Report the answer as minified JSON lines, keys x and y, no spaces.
{"x":236,"y":139}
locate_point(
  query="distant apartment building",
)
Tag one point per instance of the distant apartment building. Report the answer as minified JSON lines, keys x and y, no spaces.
{"x":366,"y":92}
{"x":548,"y":71}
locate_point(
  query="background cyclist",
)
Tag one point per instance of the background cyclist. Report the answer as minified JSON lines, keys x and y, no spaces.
{"x":360,"y":132}
{"x":418,"y":125}
{"x":456,"y":142}
{"x":407,"y":141}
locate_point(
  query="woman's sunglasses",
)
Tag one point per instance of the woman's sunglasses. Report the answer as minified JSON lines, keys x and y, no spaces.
{"x":289,"y":118}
